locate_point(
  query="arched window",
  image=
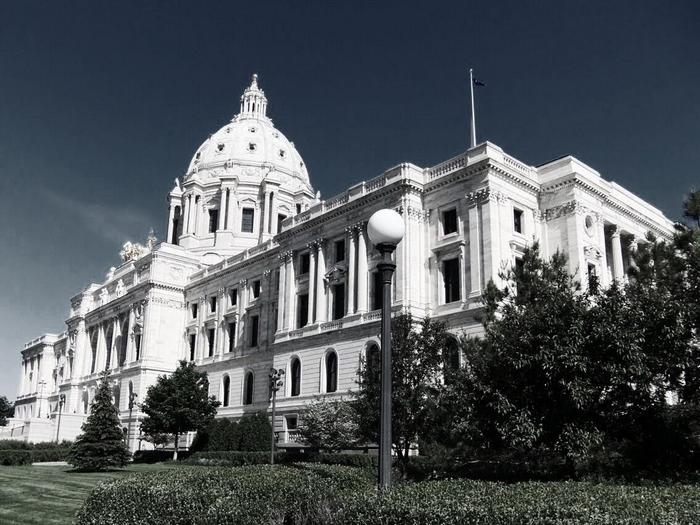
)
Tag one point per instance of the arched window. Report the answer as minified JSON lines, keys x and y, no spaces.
{"x":331,"y":371}
{"x":296,"y":377}
{"x":227,"y":388}
{"x":372,"y":362}
{"x":248,"y":389}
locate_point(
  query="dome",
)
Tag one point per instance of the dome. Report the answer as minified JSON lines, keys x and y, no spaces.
{"x":249,"y":140}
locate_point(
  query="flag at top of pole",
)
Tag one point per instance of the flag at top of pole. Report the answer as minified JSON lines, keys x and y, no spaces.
{"x":472,"y":128}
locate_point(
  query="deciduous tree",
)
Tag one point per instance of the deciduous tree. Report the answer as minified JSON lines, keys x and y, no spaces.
{"x":178,"y":403}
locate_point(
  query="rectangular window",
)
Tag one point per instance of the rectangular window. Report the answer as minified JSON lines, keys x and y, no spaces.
{"x":377,"y":296}
{"x":292,"y":422}
{"x":304,"y":263}
{"x":256,"y":289}
{"x":592,"y":278}
{"x":193,"y":346}
{"x":339,"y":301}
{"x":450,"y":275}
{"x":519,"y":265}
{"x":449,"y":221}
{"x":210,"y":340}
{"x":212,"y":304}
{"x":302,"y":310}
{"x":298,"y":209}
{"x":247,"y":218}
{"x":339,"y":250}
{"x":233,"y":296}
{"x":231,"y":336}
{"x":213,"y":220}
{"x":254,"y":321}
{"x":517,"y":220}
{"x":194,"y":310}
{"x":280,"y":219}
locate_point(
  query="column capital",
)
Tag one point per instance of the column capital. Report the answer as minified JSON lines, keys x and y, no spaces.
{"x":615,"y":231}
{"x":243,"y":282}
{"x":285,"y":255}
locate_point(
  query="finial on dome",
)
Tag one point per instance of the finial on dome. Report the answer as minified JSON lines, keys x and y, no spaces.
{"x":253,"y":101}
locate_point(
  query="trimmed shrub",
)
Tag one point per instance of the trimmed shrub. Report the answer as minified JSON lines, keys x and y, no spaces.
{"x":233,"y":458}
{"x":49,"y":454}
{"x":158,"y":456}
{"x":245,"y":495}
{"x":251,"y":433}
{"x":310,"y":494}
{"x":11,"y":444}
{"x":15,"y":457}
{"x":570,"y":503}
{"x":255,"y":432}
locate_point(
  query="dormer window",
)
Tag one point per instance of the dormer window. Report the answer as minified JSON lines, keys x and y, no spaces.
{"x":282,"y":153}
{"x":252,"y":146}
{"x":220,"y":146}
{"x":253,"y":129}
{"x":198,"y":155}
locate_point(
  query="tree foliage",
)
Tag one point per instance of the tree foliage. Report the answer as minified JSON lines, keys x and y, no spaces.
{"x":7,"y":410}
{"x":178,"y":403}
{"x":417,"y":350}
{"x":331,"y":425}
{"x":101,"y":445}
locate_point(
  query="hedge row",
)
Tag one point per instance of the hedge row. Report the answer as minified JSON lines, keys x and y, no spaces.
{"x":232,"y":458}
{"x":249,"y":495}
{"x":310,"y":494}
{"x":27,"y":457}
{"x":158,"y":456}
{"x":11,"y":444}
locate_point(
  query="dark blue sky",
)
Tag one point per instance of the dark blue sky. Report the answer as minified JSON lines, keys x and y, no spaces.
{"x":103,"y":104}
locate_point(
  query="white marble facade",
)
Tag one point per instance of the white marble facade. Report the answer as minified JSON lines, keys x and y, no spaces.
{"x":257,"y":271}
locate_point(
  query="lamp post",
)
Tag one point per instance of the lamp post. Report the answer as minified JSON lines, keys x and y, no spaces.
{"x":385,"y":230}
{"x":61,"y":402}
{"x":132,"y":398}
{"x":275,"y":384}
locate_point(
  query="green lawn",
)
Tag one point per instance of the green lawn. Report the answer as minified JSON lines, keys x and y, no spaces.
{"x":44,"y":495}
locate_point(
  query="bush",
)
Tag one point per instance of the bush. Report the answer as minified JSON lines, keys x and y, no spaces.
{"x":158,"y":456}
{"x":315,"y":493}
{"x":245,"y":495}
{"x":15,"y":457}
{"x":570,"y":503}
{"x":11,"y":444}
{"x":49,"y":454}
{"x":250,"y":434}
{"x":233,"y":458}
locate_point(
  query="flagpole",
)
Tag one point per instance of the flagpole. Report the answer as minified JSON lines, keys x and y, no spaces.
{"x":472,"y":129}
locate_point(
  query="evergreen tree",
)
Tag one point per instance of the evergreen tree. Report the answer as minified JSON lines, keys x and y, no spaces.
{"x":178,"y":403}
{"x":691,"y":207}
{"x":101,"y":445}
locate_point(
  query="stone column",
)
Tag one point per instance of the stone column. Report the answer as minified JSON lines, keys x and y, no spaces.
{"x":242,"y":304}
{"x":186,"y":215}
{"x":362,"y":292}
{"x":222,"y":209}
{"x":273,"y":214}
{"x":462,"y":272}
{"x":100,"y":357}
{"x":171,"y":216}
{"x":474,"y":252}
{"x":197,"y":214}
{"x":618,"y":270}
{"x":281,"y":292}
{"x":603,"y":270}
{"x":351,"y":271}
{"x":312,"y":282}
{"x":227,"y":197}
{"x":266,"y":212}
{"x":320,"y":284}
{"x":289,"y":302}
{"x":130,"y":343}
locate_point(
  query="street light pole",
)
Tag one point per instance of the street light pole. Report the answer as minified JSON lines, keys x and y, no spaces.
{"x":61,"y":402}
{"x":385,"y":230}
{"x":132,"y":398}
{"x":275,"y":384}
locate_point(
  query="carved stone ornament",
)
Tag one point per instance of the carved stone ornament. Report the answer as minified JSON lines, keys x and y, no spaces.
{"x":591,"y":252}
{"x":104,"y":297}
{"x":335,"y":274}
{"x":120,"y":289}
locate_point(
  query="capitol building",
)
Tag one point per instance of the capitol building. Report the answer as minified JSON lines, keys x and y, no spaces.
{"x":257,"y":271}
